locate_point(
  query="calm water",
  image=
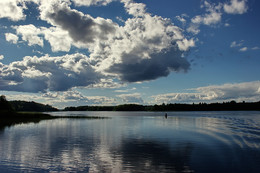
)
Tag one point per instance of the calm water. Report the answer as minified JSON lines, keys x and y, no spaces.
{"x":135,"y":142}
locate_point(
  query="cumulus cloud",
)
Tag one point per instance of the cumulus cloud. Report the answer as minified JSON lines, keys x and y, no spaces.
{"x":58,"y":39}
{"x":142,"y":45}
{"x":12,"y":38}
{"x":34,"y":74}
{"x":30,"y":34}
{"x":62,"y":99}
{"x":134,"y":98}
{"x":149,"y":69}
{"x":76,"y":96}
{"x":145,"y":48}
{"x":129,"y":52}
{"x":247,"y":91}
{"x":185,"y":44}
{"x":1,"y":57}
{"x":101,"y":100}
{"x":135,"y":9}
{"x":236,"y":7}
{"x":25,"y":97}
{"x":213,"y":15}
{"x":12,"y":10}
{"x":81,"y":27}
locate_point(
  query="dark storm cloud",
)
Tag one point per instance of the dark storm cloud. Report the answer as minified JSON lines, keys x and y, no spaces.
{"x":160,"y":65}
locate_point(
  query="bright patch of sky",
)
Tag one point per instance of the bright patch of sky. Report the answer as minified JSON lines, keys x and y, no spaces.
{"x":108,"y":52}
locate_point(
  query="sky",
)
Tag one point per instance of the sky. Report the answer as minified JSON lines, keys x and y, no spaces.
{"x":110,"y":52}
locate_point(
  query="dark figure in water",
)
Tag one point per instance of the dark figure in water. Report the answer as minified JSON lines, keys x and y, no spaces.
{"x":166,"y":115}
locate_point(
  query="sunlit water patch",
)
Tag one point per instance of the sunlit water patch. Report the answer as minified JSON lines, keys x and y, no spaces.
{"x":135,"y":142}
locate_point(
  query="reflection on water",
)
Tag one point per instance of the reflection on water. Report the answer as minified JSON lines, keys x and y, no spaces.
{"x":135,"y":142}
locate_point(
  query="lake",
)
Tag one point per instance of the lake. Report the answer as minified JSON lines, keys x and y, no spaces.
{"x":200,"y":142}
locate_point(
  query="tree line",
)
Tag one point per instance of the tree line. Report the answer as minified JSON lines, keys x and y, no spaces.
{"x":24,"y":106}
{"x":38,"y":107}
{"x":225,"y":106}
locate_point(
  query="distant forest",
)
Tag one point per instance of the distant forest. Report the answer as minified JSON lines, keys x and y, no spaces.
{"x":38,"y":107}
{"x":225,"y":106}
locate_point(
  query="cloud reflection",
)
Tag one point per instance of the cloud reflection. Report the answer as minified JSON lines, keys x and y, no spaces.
{"x":182,"y":143}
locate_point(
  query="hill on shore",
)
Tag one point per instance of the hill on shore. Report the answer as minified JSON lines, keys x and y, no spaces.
{"x":25,"y":106}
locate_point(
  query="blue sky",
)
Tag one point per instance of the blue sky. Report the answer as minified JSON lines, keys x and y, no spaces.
{"x":109,"y":52}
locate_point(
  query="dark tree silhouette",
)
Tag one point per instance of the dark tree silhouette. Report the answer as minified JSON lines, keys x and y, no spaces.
{"x":4,"y":104}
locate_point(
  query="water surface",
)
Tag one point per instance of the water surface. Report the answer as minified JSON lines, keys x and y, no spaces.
{"x":135,"y":142}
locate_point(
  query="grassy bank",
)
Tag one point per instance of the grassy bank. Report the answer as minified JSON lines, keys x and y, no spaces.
{"x":9,"y":118}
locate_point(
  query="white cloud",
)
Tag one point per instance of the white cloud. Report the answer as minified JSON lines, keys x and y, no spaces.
{"x":25,"y":97}
{"x":131,"y":98}
{"x":236,"y":7}
{"x":34,"y":74}
{"x":181,"y":19}
{"x":82,"y":28}
{"x":214,"y":12}
{"x":62,"y":99}
{"x":212,"y":17}
{"x":135,"y":9}
{"x":243,"y":49}
{"x":193,"y":28}
{"x":58,"y":39}
{"x":51,"y":95}
{"x":140,"y":45}
{"x":256,"y":48}
{"x":12,"y":38}
{"x":247,"y":91}
{"x":129,"y":53}
{"x":101,"y":100}
{"x":12,"y":10}
{"x":73,"y":96}
{"x":227,"y":24}
{"x":120,"y":19}
{"x":1,"y":57}
{"x":91,"y":2}
{"x":30,"y":34}
{"x":185,"y":44}
{"x":116,"y":50}
{"x":125,"y":90}
{"x":237,"y":44}
{"x":106,"y":83}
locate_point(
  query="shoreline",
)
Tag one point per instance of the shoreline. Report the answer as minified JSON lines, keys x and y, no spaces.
{"x":13,"y":118}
